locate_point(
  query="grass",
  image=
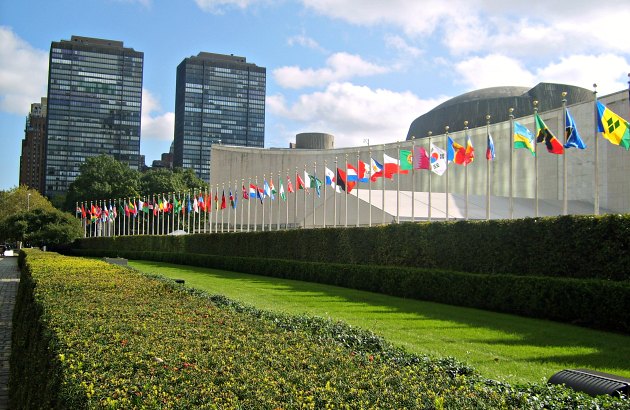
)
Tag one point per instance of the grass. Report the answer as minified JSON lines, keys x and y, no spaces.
{"x":501,"y":347}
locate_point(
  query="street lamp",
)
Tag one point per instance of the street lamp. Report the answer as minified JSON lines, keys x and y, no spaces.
{"x":28,"y":202}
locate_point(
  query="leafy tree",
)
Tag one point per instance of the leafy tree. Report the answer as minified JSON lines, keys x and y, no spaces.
{"x":20,"y":199}
{"x":103,"y":177}
{"x":41,"y":227}
{"x":156,"y":181}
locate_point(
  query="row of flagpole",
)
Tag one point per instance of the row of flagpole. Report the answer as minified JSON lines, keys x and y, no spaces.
{"x":173,"y":211}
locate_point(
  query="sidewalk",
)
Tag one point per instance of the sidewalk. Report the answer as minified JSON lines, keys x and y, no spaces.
{"x":9,"y":281}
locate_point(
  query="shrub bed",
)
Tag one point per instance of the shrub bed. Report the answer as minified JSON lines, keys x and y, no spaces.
{"x":565,"y":246}
{"x":592,"y":303}
{"x":92,"y":335}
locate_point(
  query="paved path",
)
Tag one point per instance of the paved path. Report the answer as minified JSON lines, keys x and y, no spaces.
{"x":9,"y":281}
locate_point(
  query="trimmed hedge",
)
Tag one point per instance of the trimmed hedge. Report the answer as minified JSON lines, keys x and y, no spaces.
{"x":593,"y":303}
{"x":565,"y":246}
{"x":91,"y":335}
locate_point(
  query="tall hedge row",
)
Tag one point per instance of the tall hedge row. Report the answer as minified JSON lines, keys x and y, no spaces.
{"x":593,"y":303}
{"x":93,"y":336}
{"x":566,"y":246}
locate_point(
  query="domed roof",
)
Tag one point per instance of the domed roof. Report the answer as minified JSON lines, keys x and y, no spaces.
{"x":473,"y":106}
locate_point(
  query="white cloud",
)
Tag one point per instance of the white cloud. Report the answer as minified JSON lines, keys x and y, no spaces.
{"x":399,"y":43}
{"x":218,"y":6}
{"x":607,"y":70}
{"x":155,"y":126}
{"x":23,"y":73}
{"x":353,"y":113}
{"x":304,"y":41}
{"x":339,"y":67}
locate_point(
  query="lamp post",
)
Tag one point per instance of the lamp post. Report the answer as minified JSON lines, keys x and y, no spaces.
{"x":28,"y":201}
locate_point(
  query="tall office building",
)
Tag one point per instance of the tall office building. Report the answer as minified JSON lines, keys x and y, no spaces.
{"x":94,"y":105}
{"x":219,"y":99}
{"x":33,"y":146}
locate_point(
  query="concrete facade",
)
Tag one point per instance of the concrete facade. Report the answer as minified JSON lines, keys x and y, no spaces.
{"x":235,"y":166}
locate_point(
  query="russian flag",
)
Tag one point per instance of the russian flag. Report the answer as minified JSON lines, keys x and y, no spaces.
{"x":252,"y":190}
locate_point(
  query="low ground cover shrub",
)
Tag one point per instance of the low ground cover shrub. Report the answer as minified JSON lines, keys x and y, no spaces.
{"x":92,"y":335}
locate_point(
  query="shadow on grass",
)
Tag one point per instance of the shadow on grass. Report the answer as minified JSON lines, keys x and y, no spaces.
{"x":553,"y":345}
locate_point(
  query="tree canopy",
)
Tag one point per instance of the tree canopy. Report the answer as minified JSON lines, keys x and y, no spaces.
{"x":103,"y":177}
{"x":163,"y":180}
{"x":20,"y":199}
{"x":40,"y":227}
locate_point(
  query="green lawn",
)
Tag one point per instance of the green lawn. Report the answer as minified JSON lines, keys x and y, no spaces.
{"x":500,"y":346}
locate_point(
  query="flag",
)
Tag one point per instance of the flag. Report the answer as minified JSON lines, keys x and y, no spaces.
{"x":83,"y":212}
{"x":245,"y":193}
{"x":469,"y":154}
{"x":202,"y":203}
{"x":282,"y":195}
{"x":223,"y":204}
{"x":614,"y":128}
{"x":571,"y":133}
{"x":364,"y":172}
{"x":376,"y":169}
{"x":343,"y":183}
{"x":216,"y":201}
{"x":392,"y":166}
{"x":456,"y":153}
{"x":543,"y":133}
{"x":145,"y":207}
{"x":490,"y":148}
{"x":114,"y":209}
{"x":253,"y":190}
{"x":289,"y":185}
{"x":421,"y":158}
{"x":267,"y":190}
{"x":195,"y":205}
{"x":523,"y":138}
{"x":177,"y":205}
{"x":127,"y":211}
{"x":156,"y":208}
{"x":353,"y":174}
{"x":438,"y":159}
{"x":260,"y":193}
{"x":315,"y":183}
{"x":209,"y":201}
{"x":232,"y":200}
{"x":406,"y":159}
{"x":273,"y":189}
{"x":299,"y":182}
{"x":330,"y":178}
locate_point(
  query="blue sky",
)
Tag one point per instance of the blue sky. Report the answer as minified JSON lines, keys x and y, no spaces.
{"x":358,"y":69}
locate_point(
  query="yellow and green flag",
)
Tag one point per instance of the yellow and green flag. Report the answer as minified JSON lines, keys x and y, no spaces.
{"x":523,"y":138}
{"x":614,"y":128}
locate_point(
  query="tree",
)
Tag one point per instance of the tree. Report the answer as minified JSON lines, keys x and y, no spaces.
{"x":103,"y":177}
{"x":156,"y":181}
{"x":20,"y":199}
{"x":41,"y":227}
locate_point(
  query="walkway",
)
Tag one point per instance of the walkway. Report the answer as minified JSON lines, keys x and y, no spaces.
{"x":9,"y":281}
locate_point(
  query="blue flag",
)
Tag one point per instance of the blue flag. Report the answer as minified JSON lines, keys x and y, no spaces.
{"x":571,"y":132}
{"x":490,"y":149}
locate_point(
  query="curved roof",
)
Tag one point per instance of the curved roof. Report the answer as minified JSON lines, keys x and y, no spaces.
{"x":473,"y":106}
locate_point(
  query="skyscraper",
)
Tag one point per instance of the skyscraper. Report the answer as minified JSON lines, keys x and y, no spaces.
{"x":33,"y":145}
{"x":94,"y":105}
{"x":219,"y":99}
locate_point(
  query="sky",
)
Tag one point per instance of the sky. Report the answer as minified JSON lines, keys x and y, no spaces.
{"x":361,"y":70}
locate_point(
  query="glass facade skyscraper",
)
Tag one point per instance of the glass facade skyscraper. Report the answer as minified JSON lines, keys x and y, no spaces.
{"x":94,"y":106}
{"x":219,"y":99}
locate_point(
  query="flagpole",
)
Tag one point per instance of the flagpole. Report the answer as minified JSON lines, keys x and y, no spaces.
{"x":397,"y":188}
{"x":263,"y":205}
{"x":331,"y":182}
{"x":466,"y":171}
{"x":511,"y":114}
{"x":286,"y":203}
{"x":430,"y":172}
{"x":249,"y":203}
{"x":369,"y":184}
{"x":335,"y":193}
{"x":256,"y":207}
{"x":235,"y":204}
{"x":413,"y":179}
{"x":596,"y":173}
{"x":271,"y":199}
{"x":315,"y":182}
{"x":446,"y":190}
{"x":565,"y":202}
{"x":346,"y":196}
{"x":305,"y":195}
{"x":278,"y":214}
{"x":382,"y":185}
{"x":295,"y":212}
{"x":358,"y":173}
{"x":487,"y":169}
{"x":536,"y":161}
